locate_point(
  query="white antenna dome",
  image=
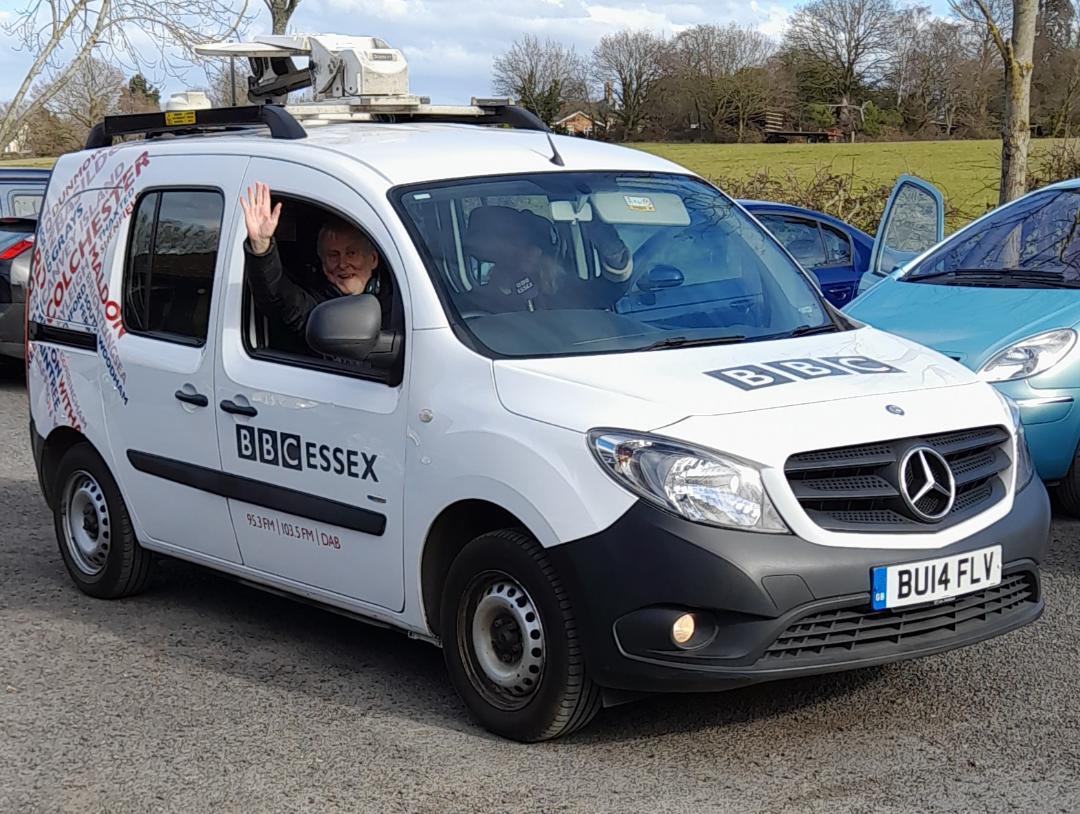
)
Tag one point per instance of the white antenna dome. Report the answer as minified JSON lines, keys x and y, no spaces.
{"x":188,"y":100}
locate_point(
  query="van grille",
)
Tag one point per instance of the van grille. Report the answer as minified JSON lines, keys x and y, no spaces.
{"x":856,"y":488}
{"x":851,"y":632}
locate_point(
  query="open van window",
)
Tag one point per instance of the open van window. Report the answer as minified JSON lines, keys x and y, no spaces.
{"x":592,"y":262}
{"x":296,"y":240}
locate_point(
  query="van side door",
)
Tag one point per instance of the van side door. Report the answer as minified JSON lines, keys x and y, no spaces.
{"x":312,"y":448}
{"x":163,"y":425}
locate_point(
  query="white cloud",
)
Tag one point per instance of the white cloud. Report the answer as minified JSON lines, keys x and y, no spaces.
{"x":628,"y":17}
{"x":450,"y":45}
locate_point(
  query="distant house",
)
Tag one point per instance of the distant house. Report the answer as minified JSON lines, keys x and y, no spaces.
{"x":578,"y":123}
{"x":16,"y":148}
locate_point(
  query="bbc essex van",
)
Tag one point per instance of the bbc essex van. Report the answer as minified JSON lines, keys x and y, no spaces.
{"x":584,"y":480}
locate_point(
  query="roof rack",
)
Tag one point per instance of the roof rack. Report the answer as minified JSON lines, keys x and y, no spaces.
{"x":281,"y":123}
{"x":288,"y":123}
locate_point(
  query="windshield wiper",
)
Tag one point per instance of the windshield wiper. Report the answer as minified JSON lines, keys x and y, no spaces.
{"x":1001,"y":276}
{"x":685,"y":342}
{"x":809,"y":330}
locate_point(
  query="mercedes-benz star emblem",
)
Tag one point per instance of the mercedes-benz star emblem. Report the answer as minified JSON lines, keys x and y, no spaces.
{"x":927,"y":484}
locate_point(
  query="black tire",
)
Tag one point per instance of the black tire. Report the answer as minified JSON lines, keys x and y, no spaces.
{"x":110,"y":564}
{"x":1067,"y":493}
{"x":563,"y":697}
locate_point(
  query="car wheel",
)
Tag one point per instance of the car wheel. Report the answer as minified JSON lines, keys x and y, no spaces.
{"x":1068,"y":490}
{"x":94,"y":530}
{"x":510,"y":640}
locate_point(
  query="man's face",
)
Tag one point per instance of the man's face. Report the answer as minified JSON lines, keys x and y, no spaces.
{"x":348,"y":261}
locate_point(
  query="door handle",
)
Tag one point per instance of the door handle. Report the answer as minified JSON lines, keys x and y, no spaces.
{"x":239,"y":409}
{"x":198,"y":399}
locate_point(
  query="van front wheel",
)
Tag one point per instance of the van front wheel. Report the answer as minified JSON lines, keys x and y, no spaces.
{"x":510,"y":640}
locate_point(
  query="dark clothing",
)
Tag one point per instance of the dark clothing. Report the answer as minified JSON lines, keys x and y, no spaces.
{"x":280,"y":298}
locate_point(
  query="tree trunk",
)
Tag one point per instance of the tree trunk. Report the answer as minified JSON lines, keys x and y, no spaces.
{"x":280,"y":12}
{"x":1016,"y":129}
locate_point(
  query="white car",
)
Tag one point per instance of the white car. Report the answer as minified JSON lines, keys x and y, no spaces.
{"x":583,"y":479}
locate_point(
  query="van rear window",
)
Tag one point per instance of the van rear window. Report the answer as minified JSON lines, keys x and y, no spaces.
{"x":169,"y":274}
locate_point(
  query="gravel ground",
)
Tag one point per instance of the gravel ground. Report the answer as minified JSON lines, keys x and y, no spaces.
{"x":205,"y":696}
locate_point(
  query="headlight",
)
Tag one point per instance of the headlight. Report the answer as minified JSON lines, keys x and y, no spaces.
{"x":1029,"y":357}
{"x":698,"y":484}
{"x":1025,"y":470}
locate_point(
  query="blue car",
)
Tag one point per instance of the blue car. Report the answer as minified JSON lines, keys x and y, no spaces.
{"x":835,"y":252}
{"x":1001,"y":296}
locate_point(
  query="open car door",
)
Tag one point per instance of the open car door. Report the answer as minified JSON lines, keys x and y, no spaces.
{"x":913,"y":221}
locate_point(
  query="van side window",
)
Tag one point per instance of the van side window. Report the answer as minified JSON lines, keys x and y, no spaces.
{"x":169,"y":273}
{"x":267,"y":336}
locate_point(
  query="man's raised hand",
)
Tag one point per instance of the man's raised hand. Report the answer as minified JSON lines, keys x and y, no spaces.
{"x":261,"y":221}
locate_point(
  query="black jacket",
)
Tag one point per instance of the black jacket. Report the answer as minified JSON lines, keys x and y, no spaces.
{"x":290,"y":303}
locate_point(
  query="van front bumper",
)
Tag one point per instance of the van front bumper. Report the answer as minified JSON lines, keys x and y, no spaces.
{"x":775,"y":606}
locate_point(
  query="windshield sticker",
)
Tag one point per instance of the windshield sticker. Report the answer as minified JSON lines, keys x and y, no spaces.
{"x":787,"y":371}
{"x":639,"y":203}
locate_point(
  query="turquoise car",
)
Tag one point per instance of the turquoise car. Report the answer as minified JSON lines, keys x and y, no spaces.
{"x":1001,"y":296}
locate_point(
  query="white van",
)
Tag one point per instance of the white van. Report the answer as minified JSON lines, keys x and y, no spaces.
{"x":584,"y":478}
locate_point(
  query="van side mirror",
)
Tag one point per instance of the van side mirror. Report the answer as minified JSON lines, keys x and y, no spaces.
{"x":351,"y":328}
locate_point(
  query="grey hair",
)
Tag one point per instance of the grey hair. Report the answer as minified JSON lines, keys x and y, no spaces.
{"x":336,"y":226}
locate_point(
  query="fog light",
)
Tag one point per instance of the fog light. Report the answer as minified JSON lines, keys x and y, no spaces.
{"x":683,"y":629}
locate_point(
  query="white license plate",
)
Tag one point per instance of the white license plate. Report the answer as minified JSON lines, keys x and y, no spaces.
{"x":893,"y":586}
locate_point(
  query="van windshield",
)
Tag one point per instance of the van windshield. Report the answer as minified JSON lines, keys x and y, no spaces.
{"x":559,"y":264}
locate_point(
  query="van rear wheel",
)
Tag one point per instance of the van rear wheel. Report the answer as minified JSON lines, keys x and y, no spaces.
{"x":94,"y":530}
{"x":510,"y":640}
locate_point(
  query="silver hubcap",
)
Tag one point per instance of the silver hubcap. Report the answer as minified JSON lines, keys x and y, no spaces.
{"x":87,"y":531}
{"x":507,"y":638}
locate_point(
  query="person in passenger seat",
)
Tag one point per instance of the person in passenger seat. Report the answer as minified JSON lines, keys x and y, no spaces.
{"x":531,"y":260}
{"x":350,"y":265}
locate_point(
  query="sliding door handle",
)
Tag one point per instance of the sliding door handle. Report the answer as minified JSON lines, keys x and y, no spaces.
{"x":197,"y":399}
{"x":239,"y":409}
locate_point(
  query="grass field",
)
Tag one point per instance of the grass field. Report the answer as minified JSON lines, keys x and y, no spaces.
{"x":28,"y":162}
{"x":966,"y":172}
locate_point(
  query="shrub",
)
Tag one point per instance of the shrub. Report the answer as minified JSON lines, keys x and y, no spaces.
{"x":1061,"y":162}
{"x":842,"y":195}
{"x":846,"y":196}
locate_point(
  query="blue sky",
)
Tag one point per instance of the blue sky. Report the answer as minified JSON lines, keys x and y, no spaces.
{"x":450,"y":44}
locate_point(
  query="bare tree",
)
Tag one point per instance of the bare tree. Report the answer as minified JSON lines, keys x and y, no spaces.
{"x":1017,"y":53}
{"x":61,"y":34}
{"x":227,"y":83}
{"x":852,"y":37}
{"x":911,"y":25}
{"x":92,"y":92}
{"x":280,"y":13}
{"x":541,"y":75}
{"x":721,"y":70}
{"x":632,"y":61}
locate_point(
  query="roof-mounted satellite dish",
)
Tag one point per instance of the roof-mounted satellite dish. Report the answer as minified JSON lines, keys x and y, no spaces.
{"x":338,"y":66}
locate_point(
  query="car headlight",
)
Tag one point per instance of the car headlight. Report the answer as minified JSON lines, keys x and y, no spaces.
{"x":698,"y":484}
{"x":1029,"y":357}
{"x":1025,"y":469}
